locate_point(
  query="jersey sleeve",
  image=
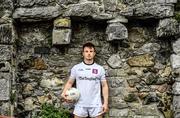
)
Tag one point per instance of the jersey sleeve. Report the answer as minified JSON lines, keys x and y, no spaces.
{"x":73,"y":73}
{"x":103,"y":74}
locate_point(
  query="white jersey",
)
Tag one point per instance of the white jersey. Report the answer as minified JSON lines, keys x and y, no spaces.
{"x":88,"y":82}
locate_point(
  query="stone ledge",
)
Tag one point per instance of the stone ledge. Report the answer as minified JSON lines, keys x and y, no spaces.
{"x":37,"y":13}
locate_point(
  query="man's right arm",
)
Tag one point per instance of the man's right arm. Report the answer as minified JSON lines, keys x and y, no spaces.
{"x":67,"y":86}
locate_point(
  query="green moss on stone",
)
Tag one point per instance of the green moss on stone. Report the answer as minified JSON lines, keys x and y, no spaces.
{"x":177,"y":16}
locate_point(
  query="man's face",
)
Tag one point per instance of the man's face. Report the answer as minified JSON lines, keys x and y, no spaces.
{"x":88,"y":53}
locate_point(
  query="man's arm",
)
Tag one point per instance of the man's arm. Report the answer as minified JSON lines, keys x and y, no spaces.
{"x":67,"y":86}
{"x":105,"y":92}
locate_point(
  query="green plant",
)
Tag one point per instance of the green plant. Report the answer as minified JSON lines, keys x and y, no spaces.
{"x":49,"y":111}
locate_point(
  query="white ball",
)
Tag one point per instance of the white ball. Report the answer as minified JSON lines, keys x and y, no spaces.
{"x":73,"y":94}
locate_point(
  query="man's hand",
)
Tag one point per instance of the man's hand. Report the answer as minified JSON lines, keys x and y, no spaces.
{"x":65,"y":98}
{"x":105,"y":108}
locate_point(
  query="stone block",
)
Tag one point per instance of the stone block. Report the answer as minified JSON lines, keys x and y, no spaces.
{"x":149,"y":48}
{"x":153,"y":10}
{"x":115,"y":61}
{"x":5,"y":76}
{"x":118,"y":102}
{"x":146,"y":110}
{"x":6,"y":5}
{"x":5,"y":110}
{"x":177,"y":113}
{"x":175,"y":61}
{"x":117,"y":91}
{"x":40,"y":64}
{"x":83,"y":9}
{"x":31,"y":3}
{"x":176,"y":103}
{"x":6,"y":52}
{"x":37,"y":13}
{"x":145,"y":60}
{"x":61,"y":36}
{"x":4,"y":89}
{"x":116,"y":31}
{"x":176,"y":88}
{"x":171,"y":1}
{"x":115,"y":82}
{"x":62,"y":22}
{"x":118,"y":112}
{"x":110,"y":5}
{"x":176,"y":45}
{"x":6,"y":34}
{"x":119,"y":19}
{"x":167,"y":27}
{"x":66,"y":2}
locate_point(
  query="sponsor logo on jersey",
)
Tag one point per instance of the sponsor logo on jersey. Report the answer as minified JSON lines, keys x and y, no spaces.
{"x":88,"y":68}
{"x":80,"y":69}
{"x":95,"y":71}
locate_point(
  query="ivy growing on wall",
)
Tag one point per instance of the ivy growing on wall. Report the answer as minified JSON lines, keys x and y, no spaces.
{"x":50,"y":111}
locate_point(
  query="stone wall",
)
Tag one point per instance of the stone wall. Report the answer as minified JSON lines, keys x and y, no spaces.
{"x":137,"y":43}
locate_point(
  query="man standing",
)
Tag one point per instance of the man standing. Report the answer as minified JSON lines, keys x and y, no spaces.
{"x":89,"y":78}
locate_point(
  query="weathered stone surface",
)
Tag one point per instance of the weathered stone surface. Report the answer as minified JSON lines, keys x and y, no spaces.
{"x":171,"y":1}
{"x":53,"y":83}
{"x":62,"y":22}
{"x":176,"y":103}
{"x":5,"y":16}
{"x":82,"y":9}
{"x":118,"y":112}
{"x":141,"y":60}
{"x":5,"y":108}
{"x":153,"y":10}
{"x":167,"y":27}
{"x":61,"y":36}
{"x":6,"y":52}
{"x":31,"y":3}
{"x":27,"y":89}
{"x":5,"y":76}
{"x":102,"y":16}
{"x":66,"y":2}
{"x":149,"y":48}
{"x":116,"y":91}
{"x":30,"y":103}
{"x":177,"y":113}
{"x":175,"y":61}
{"x":115,"y":61}
{"x":110,"y":5}
{"x":166,"y":72}
{"x":116,"y":31}
{"x":162,"y":88}
{"x":176,"y":46}
{"x":115,"y":82}
{"x":7,"y":34}
{"x":37,"y":13}
{"x":137,"y":35}
{"x":117,"y":102}
{"x":4,"y":89}
{"x":133,"y":80}
{"x":150,"y":110}
{"x":118,"y":19}
{"x":6,"y":5}
{"x":130,"y":97}
{"x":176,"y":88}
{"x":39,"y":64}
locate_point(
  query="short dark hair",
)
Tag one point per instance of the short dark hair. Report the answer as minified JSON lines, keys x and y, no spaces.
{"x":89,"y":44}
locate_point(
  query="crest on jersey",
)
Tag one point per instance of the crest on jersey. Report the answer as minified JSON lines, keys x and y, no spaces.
{"x":95,"y":71}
